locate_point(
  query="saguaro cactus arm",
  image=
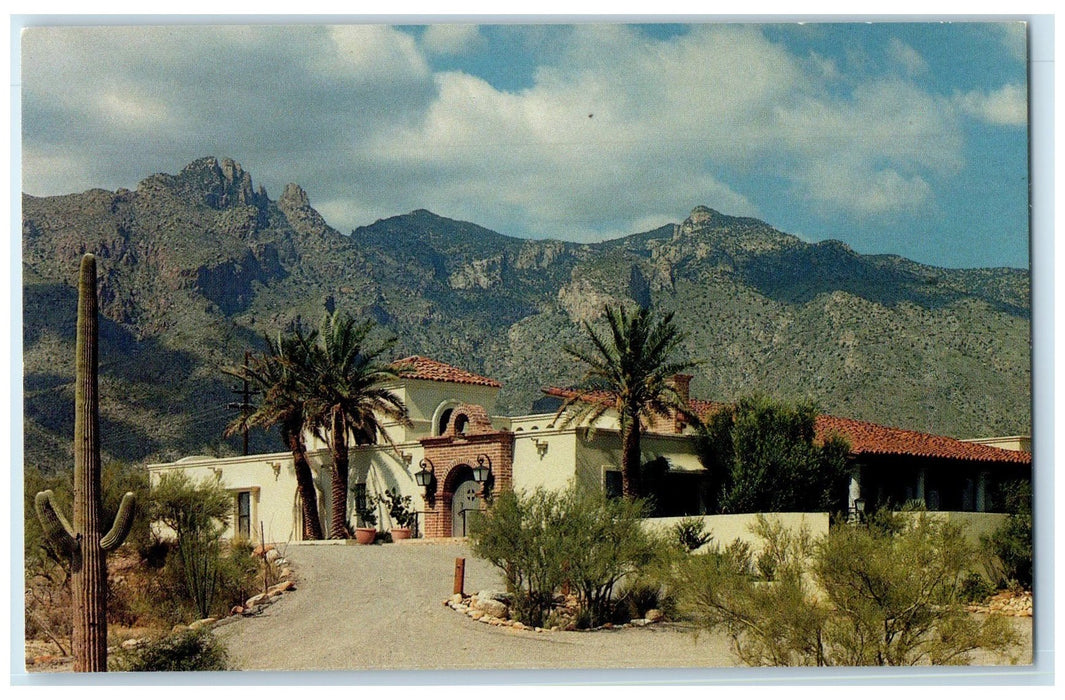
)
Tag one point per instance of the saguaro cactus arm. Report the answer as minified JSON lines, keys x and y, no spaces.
{"x":56,"y":528}
{"x":123,"y":522}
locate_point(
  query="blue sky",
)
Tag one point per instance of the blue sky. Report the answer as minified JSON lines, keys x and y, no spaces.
{"x":905,"y":138}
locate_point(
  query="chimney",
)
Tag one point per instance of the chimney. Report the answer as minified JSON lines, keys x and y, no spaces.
{"x":681,"y":383}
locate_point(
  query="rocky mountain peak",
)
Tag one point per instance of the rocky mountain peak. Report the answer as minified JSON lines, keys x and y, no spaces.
{"x":701,"y":215}
{"x":219,"y":185}
{"x":294,"y":197}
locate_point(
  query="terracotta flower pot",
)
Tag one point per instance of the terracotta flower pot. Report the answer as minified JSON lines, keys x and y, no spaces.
{"x":400,"y":533}
{"x":365,"y":535}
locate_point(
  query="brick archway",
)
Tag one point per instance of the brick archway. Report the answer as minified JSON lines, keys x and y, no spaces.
{"x":469,"y":436}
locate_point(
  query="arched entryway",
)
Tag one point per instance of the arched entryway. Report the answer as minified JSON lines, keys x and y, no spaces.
{"x":465,"y":501}
{"x":468,"y":439}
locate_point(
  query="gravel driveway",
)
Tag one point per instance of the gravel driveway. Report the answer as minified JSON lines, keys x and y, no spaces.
{"x":381,"y":607}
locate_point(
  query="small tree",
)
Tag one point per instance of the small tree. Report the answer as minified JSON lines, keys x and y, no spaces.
{"x":197,"y":513}
{"x":762,"y":457}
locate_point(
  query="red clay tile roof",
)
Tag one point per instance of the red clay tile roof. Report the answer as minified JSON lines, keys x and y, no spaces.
{"x":418,"y":367}
{"x":867,"y":438}
{"x":870,"y":438}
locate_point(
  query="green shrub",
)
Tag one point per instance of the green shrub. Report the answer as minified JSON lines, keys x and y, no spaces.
{"x":690,"y":533}
{"x":192,"y":650}
{"x":197,"y":514}
{"x":762,"y":457}
{"x":521,"y":537}
{"x":858,"y":596}
{"x":1010,"y":546}
{"x":544,"y":539}
{"x":975,"y":588}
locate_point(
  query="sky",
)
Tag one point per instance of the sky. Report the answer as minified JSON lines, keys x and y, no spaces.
{"x":904,"y":138}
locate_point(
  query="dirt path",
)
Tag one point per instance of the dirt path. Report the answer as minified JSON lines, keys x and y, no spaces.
{"x":362,"y":608}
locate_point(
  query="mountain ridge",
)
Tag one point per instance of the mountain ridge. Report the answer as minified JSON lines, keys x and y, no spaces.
{"x":195,"y":267}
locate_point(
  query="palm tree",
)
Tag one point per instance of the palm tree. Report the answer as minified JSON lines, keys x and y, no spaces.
{"x":343,"y":377}
{"x":630,"y":371}
{"x":275,"y":373}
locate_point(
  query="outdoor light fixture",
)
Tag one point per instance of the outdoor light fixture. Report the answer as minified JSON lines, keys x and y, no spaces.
{"x":541,"y":447}
{"x":424,"y":476}
{"x":276,"y":466}
{"x":481,"y":472}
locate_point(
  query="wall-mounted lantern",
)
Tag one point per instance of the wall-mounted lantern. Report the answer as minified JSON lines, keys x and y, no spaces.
{"x":482,"y":472}
{"x":424,"y":476}
{"x":541,"y":447}
{"x":276,"y":466}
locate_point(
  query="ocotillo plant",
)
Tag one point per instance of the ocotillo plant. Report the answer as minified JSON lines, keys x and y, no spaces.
{"x":84,"y":544}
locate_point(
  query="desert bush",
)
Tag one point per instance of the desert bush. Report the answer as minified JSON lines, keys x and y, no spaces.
{"x":197,"y":514}
{"x":1009,"y":548}
{"x":191,"y":650}
{"x":975,"y":588}
{"x":690,"y":533}
{"x":579,"y":537}
{"x":857,"y":596}
{"x":521,"y":536}
{"x":602,"y":541}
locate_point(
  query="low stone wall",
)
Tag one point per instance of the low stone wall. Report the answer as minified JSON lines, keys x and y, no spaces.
{"x":727,"y":528}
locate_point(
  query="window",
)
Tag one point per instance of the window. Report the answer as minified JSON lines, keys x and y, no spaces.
{"x":612,"y":483}
{"x":244,"y":514}
{"x":441,"y":425}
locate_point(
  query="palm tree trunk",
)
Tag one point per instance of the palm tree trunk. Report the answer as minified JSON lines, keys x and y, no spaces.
{"x":338,"y":529}
{"x":630,"y":459}
{"x":312,"y":522}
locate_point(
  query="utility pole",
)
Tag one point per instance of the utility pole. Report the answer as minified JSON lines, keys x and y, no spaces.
{"x":244,"y":406}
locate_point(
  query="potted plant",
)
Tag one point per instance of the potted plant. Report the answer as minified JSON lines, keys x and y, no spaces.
{"x":367,"y":508}
{"x":403,"y":516}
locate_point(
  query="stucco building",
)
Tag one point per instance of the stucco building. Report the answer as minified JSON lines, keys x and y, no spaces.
{"x":453,"y":433}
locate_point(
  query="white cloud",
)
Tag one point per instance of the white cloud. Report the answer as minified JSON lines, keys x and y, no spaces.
{"x":451,"y":39}
{"x":1007,"y":106}
{"x":912,"y":62}
{"x":616,"y":131}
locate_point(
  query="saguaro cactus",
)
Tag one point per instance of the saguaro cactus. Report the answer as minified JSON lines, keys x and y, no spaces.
{"x":84,"y":543}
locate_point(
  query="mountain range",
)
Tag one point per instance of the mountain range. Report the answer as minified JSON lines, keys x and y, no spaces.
{"x":196,"y":267}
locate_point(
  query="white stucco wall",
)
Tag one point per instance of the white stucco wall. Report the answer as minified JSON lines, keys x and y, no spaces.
{"x":728,"y":528}
{"x":273,"y":491}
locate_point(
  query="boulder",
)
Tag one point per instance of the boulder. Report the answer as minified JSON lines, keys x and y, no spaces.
{"x":205,"y":622}
{"x":495,"y":608}
{"x":654,"y":615}
{"x":281,"y":587}
{"x":256,"y":600}
{"x":489,"y":594}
